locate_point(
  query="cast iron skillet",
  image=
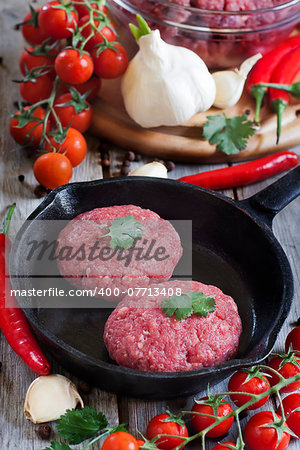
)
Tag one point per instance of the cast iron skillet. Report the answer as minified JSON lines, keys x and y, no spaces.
{"x":233,"y":248}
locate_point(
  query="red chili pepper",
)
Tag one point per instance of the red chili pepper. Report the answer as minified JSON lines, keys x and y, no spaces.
{"x":263,"y":70}
{"x":246,"y":173}
{"x":285,"y":73}
{"x":13,"y":322}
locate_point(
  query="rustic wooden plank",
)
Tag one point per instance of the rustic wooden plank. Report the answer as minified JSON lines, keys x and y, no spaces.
{"x":15,"y":431}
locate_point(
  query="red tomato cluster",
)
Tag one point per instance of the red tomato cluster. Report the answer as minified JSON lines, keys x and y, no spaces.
{"x":265,"y":430}
{"x":60,"y":79}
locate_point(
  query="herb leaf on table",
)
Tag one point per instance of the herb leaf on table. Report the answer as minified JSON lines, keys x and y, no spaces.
{"x":186,"y":304}
{"x":78,"y":425}
{"x":58,"y":446}
{"x":229,"y":134}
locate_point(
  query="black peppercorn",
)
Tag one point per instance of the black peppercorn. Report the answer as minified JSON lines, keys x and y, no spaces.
{"x":44,"y":431}
{"x":130,"y":156}
{"x":84,"y":387}
{"x":125,"y":170}
{"x":170,"y":165}
{"x":40,"y":191}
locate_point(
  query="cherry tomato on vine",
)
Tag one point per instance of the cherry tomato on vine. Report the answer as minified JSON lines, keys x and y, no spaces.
{"x":73,"y":67}
{"x":73,"y":147}
{"x":29,"y":62}
{"x":201,"y":422}
{"x":166,"y":424}
{"x":31,"y":31}
{"x":286,"y":366}
{"x":93,"y":85}
{"x":36,"y":90}
{"x":52,"y":170}
{"x":293,"y":339}
{"x":57,"y":22}
{"x":110,"y":62}
{"x":106,"y":31}
{"x":261,"y":437}
{"x":81,"y":121}
{"x":82,"y":10}
{"x":290,"y":404}
{"x":32,"y":129}
{"x":224,"y":446}
{"x":245,"y":381}
{"x":120,"y":441}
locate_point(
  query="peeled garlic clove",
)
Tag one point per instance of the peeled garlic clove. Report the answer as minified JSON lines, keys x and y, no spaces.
{"x":154,"y":169}
{"x":48,"y":397}
{"x":230,"y":84}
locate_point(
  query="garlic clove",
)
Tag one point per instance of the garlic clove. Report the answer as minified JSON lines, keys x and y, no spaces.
{"x":153,"y":169}
{"x":230,"y":83}
{"x":49,"y":397}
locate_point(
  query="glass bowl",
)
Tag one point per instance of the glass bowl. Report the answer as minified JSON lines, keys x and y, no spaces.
{"x":222,"y":38}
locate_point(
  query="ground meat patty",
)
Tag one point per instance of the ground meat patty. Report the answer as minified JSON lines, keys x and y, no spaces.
{"x":102,"y":272}
{"x":144,"y":338}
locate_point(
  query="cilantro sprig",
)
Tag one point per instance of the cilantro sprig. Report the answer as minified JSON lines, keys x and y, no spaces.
{"x":230,"y":135}
{"x":77,"y":426}
{"x":123,"y":231}
{"x":186,"y":304}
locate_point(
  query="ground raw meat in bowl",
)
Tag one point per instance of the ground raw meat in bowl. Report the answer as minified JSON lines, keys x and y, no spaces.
{"x":140,"y":336}
{"x":222,"y":32}
{"x":109,"y":272}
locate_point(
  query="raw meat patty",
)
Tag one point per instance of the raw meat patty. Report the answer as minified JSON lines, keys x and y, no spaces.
{"x":102,"y":273}
{"x":142,"y":337}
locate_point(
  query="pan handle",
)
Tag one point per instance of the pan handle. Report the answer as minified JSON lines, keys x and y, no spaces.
{"x":271,"y":200}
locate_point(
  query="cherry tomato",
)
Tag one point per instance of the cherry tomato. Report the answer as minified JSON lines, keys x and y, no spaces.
{"x":73,"y":147}
{"x":39,"y":89}
{"x":255,"y":385}
{"x":290,"y":404}
{"x":222,"y":446}
{"x":104,"y":31}
{"x":288,"y":370}
{"x":55,"y":22}
{"x":73,"y":67}
{"x":66,"y":114}
{"x":52,"y":170}
{"x":157,"y":425}
{"x":28,"y":61}
{"x":93,"y":85}
{"x":31,"y":31}
{"x":140,"y":442}
{"x":201,"y":422}
{"x":293,"y":339}
{"x":110,"y":63}
{"x":259,"y":437}
{"x":33,"y":130}
{"x":120,"y":441}
{"x":82,"y":10}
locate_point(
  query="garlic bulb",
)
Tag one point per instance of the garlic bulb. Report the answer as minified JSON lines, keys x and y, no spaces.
{"x":230,"y":83}
{"x":154,"y":169}
{"x":48,"y":397}
{"x":165,"y":84}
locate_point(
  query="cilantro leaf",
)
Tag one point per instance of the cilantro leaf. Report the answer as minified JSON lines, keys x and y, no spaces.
{"x":58,"y":446}
{"x":186,"y":304}
{"x":123,"y":232}
{"x":202,"y":304}
{"x":229,"y":134}
{"x":179,"y":305}
{"x":78,"y":425}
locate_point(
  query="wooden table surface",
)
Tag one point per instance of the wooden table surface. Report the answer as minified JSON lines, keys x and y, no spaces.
{"x":15,"y":431}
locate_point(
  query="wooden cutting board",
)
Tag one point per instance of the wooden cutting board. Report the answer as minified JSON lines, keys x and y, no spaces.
{"x":184,"y":143}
